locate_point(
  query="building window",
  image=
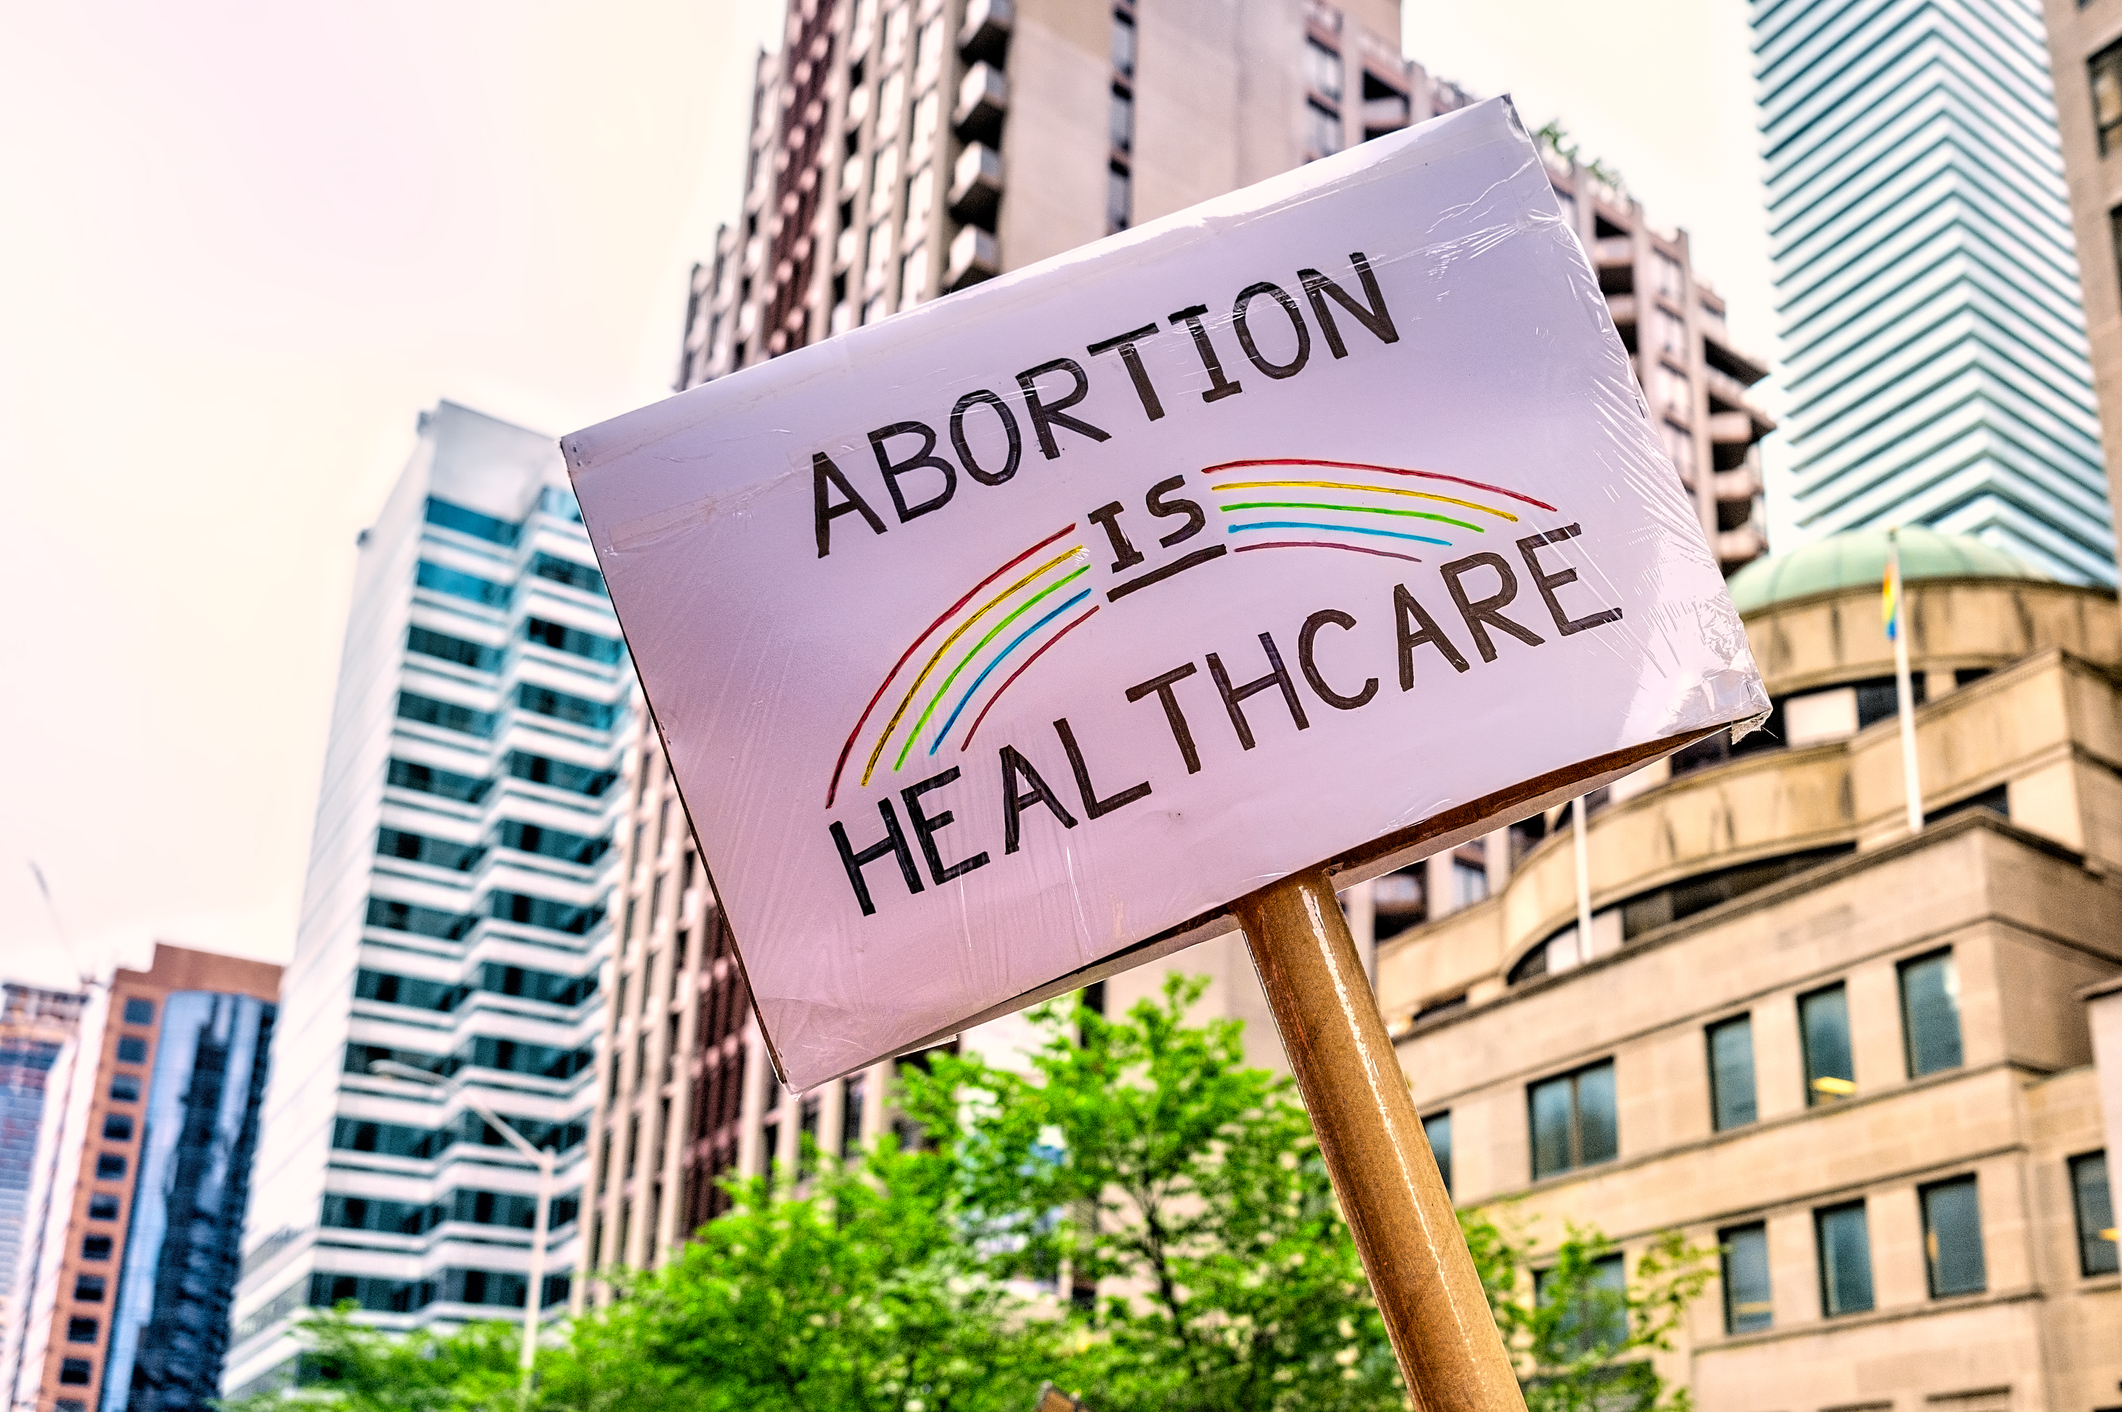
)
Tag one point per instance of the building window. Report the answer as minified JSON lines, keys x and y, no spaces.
{"x":125,"y":1088}
{"x":1671,"y":330}
{"x":1672,"y":280}
{"x":1845,"y":1258}
{"x":132,"y":1050}
{"x":1952,"y":1237}
{"x":74,"y":1372}
{"x":1123,"y":120}
{"x":1679,"y":444}
{"x":89,"y":1289}
{"x":110,"y":1166}
{"x":1438,"y":1129}
{"x":2094,"y":1205}
{"x":1731,"y":1073}
{"x":1573,"y":1120}
{"x":103,"y":1206}
{"x":1469,"y":883}
{"x":1823,"y":1022}
{"x":96,"y":1247}
{"x":1600,"y":1318}
{"x":139,"y":1012}
{"x":1322,"y":129}
{"x":1119,"y":197}
{"x":1930,"y":1013}
{"x":1747,"y":1305}
{"x":79,"y":1330}
{"x":851,"y":1096}
{"x":2104,"y":69}
{"x":913,"y":276}
{"x":117,"y":1127}
{"x":1325,"y":68}
{"x":1124,"y":45}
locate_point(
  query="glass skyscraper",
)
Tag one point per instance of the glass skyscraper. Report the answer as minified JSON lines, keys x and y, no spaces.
{"x":1936,"y":366}
{"x":454,"y":914}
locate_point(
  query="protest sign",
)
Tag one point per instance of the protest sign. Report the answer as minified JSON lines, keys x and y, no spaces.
{"x":1010,"y":640}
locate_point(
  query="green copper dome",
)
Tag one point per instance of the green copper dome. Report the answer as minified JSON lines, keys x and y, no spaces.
{"x":1857,"y":558}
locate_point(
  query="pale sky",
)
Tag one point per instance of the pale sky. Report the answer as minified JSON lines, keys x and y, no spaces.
{"x":245,"y":244}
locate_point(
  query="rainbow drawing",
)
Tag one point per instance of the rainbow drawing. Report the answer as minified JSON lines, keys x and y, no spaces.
{"x":1011,"y":616}
{"x":1351,"y":505}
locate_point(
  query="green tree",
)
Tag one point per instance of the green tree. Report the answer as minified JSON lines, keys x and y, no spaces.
{"x":1143,"y":1152}
{"x":1579,"y":1325}
{"x":859,"y":1295}
{"x":360,"y":1368}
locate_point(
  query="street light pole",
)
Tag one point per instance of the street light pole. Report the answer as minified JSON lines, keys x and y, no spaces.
{"x":534,"y":1296}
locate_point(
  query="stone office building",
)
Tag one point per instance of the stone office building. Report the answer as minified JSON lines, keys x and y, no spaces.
{"x":1857,"y":1060}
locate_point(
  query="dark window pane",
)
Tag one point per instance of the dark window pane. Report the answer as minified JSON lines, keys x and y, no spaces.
{"x":459,"y":584}
{"x":1930,"y":1013}
{"x":567,"y":571}
{"x":103,"y":1206}
{"x":1747,"y":1305}
{"x":1124,"y":45}
{"x":1438,"y":1129}
{"x":89,"y":1289}
{"x":1119,"y":197}
{"x":1551,"y":1123}
{"x":562,"y":638}
{"x":132,"y":1050}
{"x":79,"y":1330}
{"x":1823,"y":1020}
{"x":1952,"y":1238}
{"x":74,"y":1371}
{"x":1845,"y":1259}
{"x":404,"y":774}
{"x":118,"y":1128}
{"x":1598,"y":1127}
{"x":444,"y":715}
{"x":2093,"y":1202}
{"x":110,"y":1166}
{"x":2104,"y":73}
{"x":456,"y":517}
{"x":1731,"y":1073}
{"x":562,"y":706}
{"x":577,"y":779}
{"x":96,"y":1247}
{"x":476,"y":655}
{"x":125,"y":1088}
{"x":139,"y":1012}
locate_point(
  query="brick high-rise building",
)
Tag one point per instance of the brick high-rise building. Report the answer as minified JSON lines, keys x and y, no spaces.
{"x":133,"y":1296}
{"x":904,"y":149}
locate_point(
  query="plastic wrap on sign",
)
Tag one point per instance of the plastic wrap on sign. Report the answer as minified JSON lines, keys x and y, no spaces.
{"x":1002,"y":644}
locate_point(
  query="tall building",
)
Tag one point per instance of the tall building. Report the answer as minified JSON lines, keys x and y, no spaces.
{"x":1858,"y":1061}
{"x":1936,"y":365}
{"x":144,"y":1269}
{"x":2085,"y":49}
{"x":454,"y":917}
{"x":36,"y":1026}
{"x":904,"y":149}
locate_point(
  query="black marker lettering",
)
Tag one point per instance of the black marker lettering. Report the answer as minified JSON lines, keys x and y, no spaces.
{"x":893,"y":842}
{"x":1278,"y":675}
{"x":1133,"y":362}
{"x":1238,"y":317}
{"x":926,"y":827}
{"x":1014,"y":768}
{"x":1219,"y":386}
{"x":1310,"y":667}
{"x":1093,"y":806}
{"x":1547,"y":584}
{"x":1406,"y":611}
{"x":1173,"y":716}
{"x":1318,"y":288}
{"x":1107,"y":518}
{"x":1177,"y":505}
{"x":825,"y":478}
{"x":924,"y":459}
{"x":1048,"y":415}
{"x":1479,"y":611}
{"x":984,"y":398}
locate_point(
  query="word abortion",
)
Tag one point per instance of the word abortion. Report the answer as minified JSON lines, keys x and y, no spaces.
{"x":919,"y":480}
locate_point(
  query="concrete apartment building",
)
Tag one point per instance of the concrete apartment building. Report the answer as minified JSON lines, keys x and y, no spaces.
{"x":1933,"y":322}
{"x":454,"y":919}
{"x":36,"y":1026}
{"x":1858,"y":1060}
{"x":2085,"y":50}
{"x":132,"y":1297}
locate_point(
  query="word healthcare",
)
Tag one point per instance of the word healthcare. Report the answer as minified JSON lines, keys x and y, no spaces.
{"x":1002,"y":644}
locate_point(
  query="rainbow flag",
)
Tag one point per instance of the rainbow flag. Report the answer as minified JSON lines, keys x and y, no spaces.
{"x":1890,"y":608}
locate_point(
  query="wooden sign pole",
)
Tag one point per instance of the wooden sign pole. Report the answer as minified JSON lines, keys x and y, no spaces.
{"x":1427,"y":1288}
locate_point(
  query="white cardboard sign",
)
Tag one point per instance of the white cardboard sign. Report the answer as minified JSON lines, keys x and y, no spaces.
{"x":1013,"y":637}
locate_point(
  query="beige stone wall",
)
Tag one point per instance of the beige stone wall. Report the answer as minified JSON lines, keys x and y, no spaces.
{"x":2078,"y":29}
{"x":1054,"y":142}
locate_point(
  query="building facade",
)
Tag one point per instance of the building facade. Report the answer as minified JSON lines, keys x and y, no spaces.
{"x":1934,"y":332}
{"x":1858,"y":1061}
{"x":143,"y":1268}
{"x":454,"y":917}
{"x":37,"y":1074}
{"x":2085,"y":51}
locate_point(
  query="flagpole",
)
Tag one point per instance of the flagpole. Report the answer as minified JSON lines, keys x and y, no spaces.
{"x":1904,"y":692}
